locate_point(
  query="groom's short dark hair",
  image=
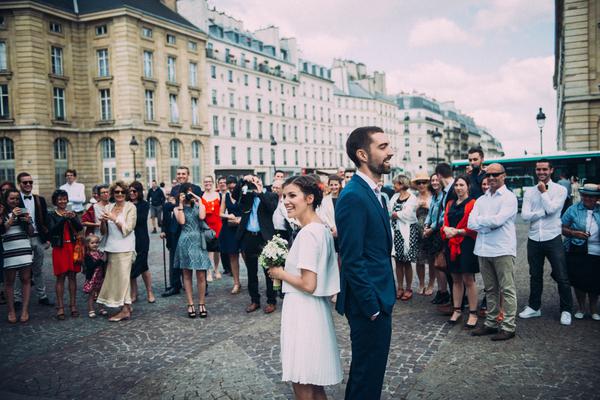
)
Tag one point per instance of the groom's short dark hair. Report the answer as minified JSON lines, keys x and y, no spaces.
{"x":360,"y":138}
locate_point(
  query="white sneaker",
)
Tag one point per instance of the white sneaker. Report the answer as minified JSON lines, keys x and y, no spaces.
{"x":596,"y":317}
{"x":529,"y":312}
{"x":565,"y":318}
{"x":579,"y":315}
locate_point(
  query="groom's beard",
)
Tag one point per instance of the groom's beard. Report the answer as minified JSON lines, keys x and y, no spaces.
{"x":379,"y":169}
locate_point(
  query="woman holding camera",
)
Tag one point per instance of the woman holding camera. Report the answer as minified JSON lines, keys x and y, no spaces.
{"x":18,"y":255}
{"x":118,"y":224}
{"x":191,"y":253}
{"x":64,"y":226}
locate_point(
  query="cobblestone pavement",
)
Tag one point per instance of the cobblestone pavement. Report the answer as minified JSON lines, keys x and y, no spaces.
{"x":161,"y":354}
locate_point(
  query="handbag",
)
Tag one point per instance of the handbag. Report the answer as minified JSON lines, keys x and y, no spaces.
{"x":208,"y":233}
{"x":78,"y":252}
{"x":439,"y":262}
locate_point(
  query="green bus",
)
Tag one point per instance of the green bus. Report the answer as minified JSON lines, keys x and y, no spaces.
{"x":520,"y":171}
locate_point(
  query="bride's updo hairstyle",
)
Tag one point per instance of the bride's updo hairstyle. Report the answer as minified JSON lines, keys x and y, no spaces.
{"x":308,"y":185}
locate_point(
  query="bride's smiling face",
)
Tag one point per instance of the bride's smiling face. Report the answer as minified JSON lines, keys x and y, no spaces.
{"x":296,"y":203}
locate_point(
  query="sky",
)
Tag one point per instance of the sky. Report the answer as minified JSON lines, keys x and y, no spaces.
{"x":493,"y":58}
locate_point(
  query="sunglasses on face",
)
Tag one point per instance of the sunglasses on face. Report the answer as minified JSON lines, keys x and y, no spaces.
{"x":494,"y":174}
{"x":119,"y":192}
{"x":422,"y":182}
{"x":132,"y":191}
{"x":27,"y":182}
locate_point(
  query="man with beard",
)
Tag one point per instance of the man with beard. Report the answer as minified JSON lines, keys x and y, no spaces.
{"x":476,"y":173}
{"x":367,"y":290}
{"x":542,"y":205}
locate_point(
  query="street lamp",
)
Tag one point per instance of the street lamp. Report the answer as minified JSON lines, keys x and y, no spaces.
{"x":437,"y":136}
{"x":273,"y":144}
{"x":541,"y":120}
{"x":134,"y":146}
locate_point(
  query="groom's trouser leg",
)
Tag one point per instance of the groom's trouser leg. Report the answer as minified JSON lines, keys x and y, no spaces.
{"x":370,"y":348}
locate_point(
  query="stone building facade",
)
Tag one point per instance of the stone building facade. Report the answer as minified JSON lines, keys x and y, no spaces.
{"x":79,"y":80}
{"x":577,"y":74}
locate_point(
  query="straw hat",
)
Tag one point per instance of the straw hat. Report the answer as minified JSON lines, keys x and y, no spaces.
{"x":590,"y":189}
{"x":420,"y":176}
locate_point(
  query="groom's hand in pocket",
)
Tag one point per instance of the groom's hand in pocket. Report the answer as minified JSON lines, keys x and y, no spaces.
{"x":374,"y":316}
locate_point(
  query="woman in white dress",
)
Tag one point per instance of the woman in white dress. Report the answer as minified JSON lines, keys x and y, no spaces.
{"x":310,"y":356}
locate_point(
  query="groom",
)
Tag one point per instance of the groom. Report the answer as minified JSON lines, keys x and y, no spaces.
{"x":368,"y":290}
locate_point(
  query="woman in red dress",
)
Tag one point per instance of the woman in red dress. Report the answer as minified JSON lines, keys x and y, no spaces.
{"x":64,"y":226}
{"x":212,"y":203}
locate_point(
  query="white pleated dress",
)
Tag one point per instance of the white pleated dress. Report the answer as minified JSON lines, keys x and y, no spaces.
{"x":309,"y":350}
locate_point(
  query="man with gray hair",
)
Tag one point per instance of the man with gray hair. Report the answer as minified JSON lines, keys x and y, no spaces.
{"x":493,"y":217}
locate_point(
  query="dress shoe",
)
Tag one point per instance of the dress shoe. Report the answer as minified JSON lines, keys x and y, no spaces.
{"x":170,"y":292}
{"x":270,"y":308}
{"x":529,"y":312}
{"x":252,"y":307}
{"x":503,"y":335}
{"x":484,"y":331}
{"x":45,"y":302}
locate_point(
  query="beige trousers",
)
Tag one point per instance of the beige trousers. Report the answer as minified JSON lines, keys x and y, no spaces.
{"x":498,"y":275}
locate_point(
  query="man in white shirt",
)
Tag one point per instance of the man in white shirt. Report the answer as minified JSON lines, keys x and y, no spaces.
{"x":280,"y":216}
{"x":493,"y":217}
{"x":542,"y":205}
{"x":75,"y":190}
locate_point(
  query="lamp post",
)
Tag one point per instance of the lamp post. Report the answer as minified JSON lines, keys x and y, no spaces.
{"x":273,"y":144}
{"x":541,"y":120}
{"x":134,"y":146}
{"x":437,"y":136}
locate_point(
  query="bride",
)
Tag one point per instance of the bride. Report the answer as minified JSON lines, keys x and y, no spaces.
{"x":310,"y":356}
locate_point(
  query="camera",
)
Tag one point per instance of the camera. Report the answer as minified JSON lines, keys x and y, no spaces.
{"x":248,"y":186}
{"x":189,"y":197}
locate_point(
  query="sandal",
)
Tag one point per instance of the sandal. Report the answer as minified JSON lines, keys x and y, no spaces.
{"x":399,"y":293}
{"x":103,"y":312}
{"x":236,"y":289}
{"x":457,"y":310}
{"x":421,"y":291}
{"x":428,"y":291}
{"x":12,"y":320}
{"x":92,"y":314}
{"x":471,"y":326}
{"x":60,"y":313}
{"x":74,"y":312}
{"x":408,"y":294}
{"x":202,"y":311}
{"x":191,"y":311}
{"x":218,"y":275}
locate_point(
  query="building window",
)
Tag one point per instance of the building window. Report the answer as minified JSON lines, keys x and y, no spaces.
{"x":270,"y":107}
{"x":231,"y":100}
{"x":247,"y":102}
{"x":105,"y":107}
{"x":192,"y":46}
{"x":4,"y":104}
{"x":213,"y":71}
{"x":233,"y":155}
{"x":269,"y":85}
{"x":283,"y":133}
{"x":214,"y":97}
{"x":174,"y":151}
{"x":260,"y":129}
{"x":230,"y":75}
{"x":257,"y":82}
{"x":171,"y":39}
{"x":147,"y":32}
{"x":55,"y":27}
{"x":56,"y":55}
{"x":173,"y":108}
{"x":232,"y":126}
{"x":272,"y":156}
{"x":150,"y":161}
{"x":58,"y":96}
{"x":295,"y":157}
{"x":195,"y":109}
{"x":249,"y":155}
{"x":149,"y":104}
{"x":101,"y":30}
{"x":3,"y":57}
{"x":196,"y":153}
{"x":284,"y":157}
{"x":261,"y":158}
{"x":259,"y":105}
{"x":109,"y":160}
{"x":148,"y":64}
{"x":7,"y":160}
{"x":193,"y":74}
{"x":102,"y":56}
{"x":171,"y":77}
{"x":61,"y":163}
{"x":217,"y":156}
{"x":248,"y":133}
{"x":215,"y":125}
{"x":245,"y":79}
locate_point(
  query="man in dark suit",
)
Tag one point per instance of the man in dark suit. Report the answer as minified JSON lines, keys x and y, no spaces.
{"x":254,"y":231}
{"x":38,"y":210}
{"x":367,"y":290}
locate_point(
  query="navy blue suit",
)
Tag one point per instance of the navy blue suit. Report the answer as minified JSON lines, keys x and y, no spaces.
{"x":367,"y":285}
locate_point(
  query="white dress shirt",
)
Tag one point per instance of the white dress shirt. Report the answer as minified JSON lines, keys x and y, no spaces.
{"x":372,"y":184}
{"x":493,"y":217}
{"x":280,"y":216}
{"x":76,"y":192}
{"x":543,"y":211}
{"x":30,"y":206}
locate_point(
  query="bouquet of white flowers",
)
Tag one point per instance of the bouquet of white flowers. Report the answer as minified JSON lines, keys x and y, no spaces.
{"x":273,"y":255}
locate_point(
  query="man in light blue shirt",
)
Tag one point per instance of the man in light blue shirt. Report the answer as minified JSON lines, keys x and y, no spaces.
{"x":493,"y":217}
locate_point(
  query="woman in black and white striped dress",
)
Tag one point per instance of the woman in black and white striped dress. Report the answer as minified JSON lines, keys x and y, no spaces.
{"x":18,"y":255}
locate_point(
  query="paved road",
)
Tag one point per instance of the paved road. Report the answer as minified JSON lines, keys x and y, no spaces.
{"x":161,"y":354}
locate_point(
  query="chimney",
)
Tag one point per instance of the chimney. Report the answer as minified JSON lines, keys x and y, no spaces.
{"x":172,"y":4}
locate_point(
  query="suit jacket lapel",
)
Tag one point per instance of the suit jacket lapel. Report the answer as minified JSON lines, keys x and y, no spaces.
{"x":377,"y":204}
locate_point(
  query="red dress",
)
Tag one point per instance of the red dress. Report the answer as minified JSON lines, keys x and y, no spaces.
{"x":213,"y":214}
{"x":62,"y":257}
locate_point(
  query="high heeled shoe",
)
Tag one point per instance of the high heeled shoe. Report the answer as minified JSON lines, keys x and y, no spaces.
{"x":191,"y":311}
{"x":202,"y":313}
{"x":457,"y":310}
{"x":471,"y":326}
